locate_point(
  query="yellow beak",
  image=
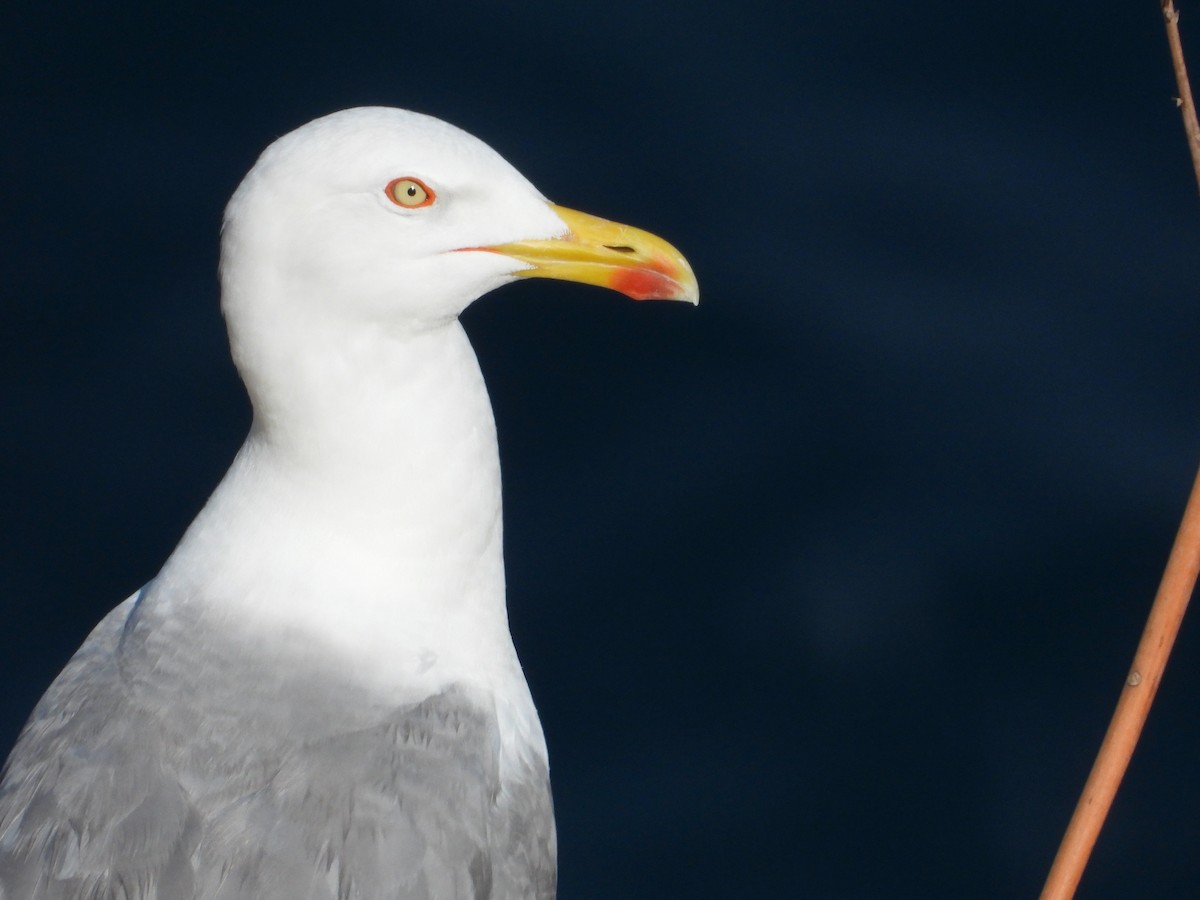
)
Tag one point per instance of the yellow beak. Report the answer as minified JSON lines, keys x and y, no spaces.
{"x":595,"y":251}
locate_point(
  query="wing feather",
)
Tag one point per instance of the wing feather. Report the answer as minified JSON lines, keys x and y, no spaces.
{"x":132,"y":781}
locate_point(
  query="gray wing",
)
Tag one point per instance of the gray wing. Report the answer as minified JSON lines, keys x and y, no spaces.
{"x":135,"y":779}
{"x":69,"y":803}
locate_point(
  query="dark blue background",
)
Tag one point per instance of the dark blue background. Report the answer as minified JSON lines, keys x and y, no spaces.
{"x":825,"y":588}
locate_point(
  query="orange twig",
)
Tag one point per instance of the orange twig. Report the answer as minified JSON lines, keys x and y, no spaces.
{"x":1186,"y":106}
{"x":1138,"y":693}
{"x":1178,"y":581}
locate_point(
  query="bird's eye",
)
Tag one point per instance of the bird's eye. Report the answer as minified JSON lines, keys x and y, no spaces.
{"x":409,"y":193}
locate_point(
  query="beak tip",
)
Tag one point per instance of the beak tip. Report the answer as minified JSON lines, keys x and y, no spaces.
{"x":689,"y":287}
{"x":691,"y":291}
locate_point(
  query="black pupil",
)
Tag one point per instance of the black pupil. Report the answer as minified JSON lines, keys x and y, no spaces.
{"x":412,"y":190}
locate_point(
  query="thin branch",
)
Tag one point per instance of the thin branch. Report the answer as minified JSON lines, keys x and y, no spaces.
{"x":1138,"y":693}
{"x":1166,"y":615}
{"x":1186,"y":106}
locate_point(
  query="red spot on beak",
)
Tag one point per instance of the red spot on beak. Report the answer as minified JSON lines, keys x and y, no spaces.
{"x":641,"y":284}
{"x":646,"y":283}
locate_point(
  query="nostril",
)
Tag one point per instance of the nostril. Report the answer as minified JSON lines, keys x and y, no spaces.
{"x":619,"y":248}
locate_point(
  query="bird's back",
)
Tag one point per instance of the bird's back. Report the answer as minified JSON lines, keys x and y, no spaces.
{"x":135,"y":779}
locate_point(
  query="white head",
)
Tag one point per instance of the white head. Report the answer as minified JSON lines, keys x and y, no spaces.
{"x":379,"y":222}
{"x":314,"y":224}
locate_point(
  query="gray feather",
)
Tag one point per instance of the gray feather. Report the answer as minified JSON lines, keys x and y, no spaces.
{"x":169,"y":761}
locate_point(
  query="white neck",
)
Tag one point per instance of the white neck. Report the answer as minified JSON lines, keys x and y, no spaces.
{"x":369,"y":525}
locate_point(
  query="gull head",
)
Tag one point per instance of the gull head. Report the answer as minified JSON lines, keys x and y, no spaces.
{"x":374,"y":224}
{"x":390,"y":217}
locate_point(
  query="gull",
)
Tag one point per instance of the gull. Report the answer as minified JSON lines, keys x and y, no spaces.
{"x":317,"y":696}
